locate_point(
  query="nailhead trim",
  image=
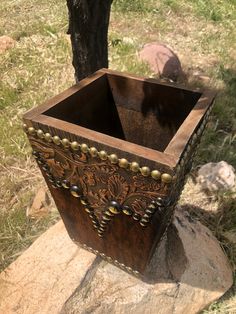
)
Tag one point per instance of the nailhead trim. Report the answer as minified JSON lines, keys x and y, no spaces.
{"x":110,"y":260}
{"x":121,"y":162}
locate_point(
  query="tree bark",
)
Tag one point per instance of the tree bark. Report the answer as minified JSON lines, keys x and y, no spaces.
{"x":88,"y":28}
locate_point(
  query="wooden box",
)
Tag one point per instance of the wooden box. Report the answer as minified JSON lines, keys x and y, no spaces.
{"x":114,"y":151}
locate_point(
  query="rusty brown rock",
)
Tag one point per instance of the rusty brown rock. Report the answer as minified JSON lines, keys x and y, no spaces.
{"x":40,"y":205}
{"x":161,"y":60}
{"x":6,"y":42}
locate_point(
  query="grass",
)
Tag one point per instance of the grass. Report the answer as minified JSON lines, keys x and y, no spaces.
{"x":202,"y":33}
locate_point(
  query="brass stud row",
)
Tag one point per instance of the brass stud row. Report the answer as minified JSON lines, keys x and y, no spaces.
{"x":115,"y":262}
{"x":103,"y":155}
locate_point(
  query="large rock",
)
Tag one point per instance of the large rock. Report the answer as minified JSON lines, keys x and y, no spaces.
{"x":161,"y":60}
{"x":215,"y":177}
{"x":45,"y":275}
{"x":188,"y":271}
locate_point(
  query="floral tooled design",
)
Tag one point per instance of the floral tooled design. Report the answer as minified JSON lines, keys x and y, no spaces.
{"x":100,"y":181}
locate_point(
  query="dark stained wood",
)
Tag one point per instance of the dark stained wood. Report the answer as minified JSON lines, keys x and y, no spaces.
{"x":141,"y":120}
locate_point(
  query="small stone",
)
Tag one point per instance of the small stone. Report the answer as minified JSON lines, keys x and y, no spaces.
{"x":40,"y":205}
{"x":216,"y":177}
{"x":161,"y":60}
{"x":6,"y":42}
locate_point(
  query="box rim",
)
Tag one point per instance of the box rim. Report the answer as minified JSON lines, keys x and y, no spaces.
{"x":172,"y":153}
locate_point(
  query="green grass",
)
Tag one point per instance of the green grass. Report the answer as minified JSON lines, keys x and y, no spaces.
{"x":202,"y":33}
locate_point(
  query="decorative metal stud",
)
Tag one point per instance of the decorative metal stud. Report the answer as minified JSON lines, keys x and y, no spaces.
{"x":84,"y":148}
{"x":75,"y":191}
{"x":35,"y":154}
{"x":25,"y":127}
{"x":93,"y":151}
{"x":75,"y":145}
{"x":106,"y":218}
{"x":84,"y":201}
{"x":102,"y":229}
{"x":48,"y":137}
{"x":40,"y":133}
{"x":65,"y":184}
{"x":156,"y":174}
{"x":113,"y":159}
{"x":56,"y":140}
{"x":134,"y":166}
{"x":145,"y":171}
{"x":103,"y":155}
{"x":136,"y":216}
{"x":65,"y":142}
{"x":88,"y":210}
{"x":166,"y":178}
{"x":40,"y":161}
{"x":58,"y":184}
{"x":114,"y":207}
{"x":123,"y":163}
{"x":51,"y":179}
{"x":31,"y":130}
{"x":46,"y":168}
{"x":127,"y":210}
{"x":108,"y":213}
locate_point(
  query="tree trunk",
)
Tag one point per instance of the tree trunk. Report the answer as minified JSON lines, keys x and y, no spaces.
{"x":88,"y":28}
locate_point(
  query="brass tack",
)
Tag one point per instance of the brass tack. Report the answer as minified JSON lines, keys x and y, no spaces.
{"x":25,"y":127}
{"x":65,"y":184}
{"x":113,"y":159}
{"x":56,"y":140}
{"x":102,"y":255}
{"x":103,"y":155}
{"x":145,"y":171}
{"x":93,"y":151}
{"x":113,"y":210}
{"x":136,"y":216}
{"x":114,"y":207}
{"x":75,"y":191}
{"x":40,"y":133}
{"x":65,"y":142}
{"x":166,"y":178}
{"x":83,"y":201}
{"x":48,"y":137}
{"x":107,"y":212}
{"x":31,"y":130}
{"x":123,"y":163}
{"x":88,"y":210}
{"x":102,"y":229}
{"x":74,"y":145}
{"x":143,"y":224}
{"x":127,"y":210}
{"x":134,"y":166}
{"x":84,"y":148}
{"x":95,"y":226}
{"x":94,"y":222}
{"x":150,"y":211}
{"x":91,"y":215}
{"x":156,"y":174}
{"x":106,"y":218}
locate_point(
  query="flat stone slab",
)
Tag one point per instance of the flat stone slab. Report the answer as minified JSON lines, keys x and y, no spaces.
{"x":45,"y":275}
{"x":188,"y":271}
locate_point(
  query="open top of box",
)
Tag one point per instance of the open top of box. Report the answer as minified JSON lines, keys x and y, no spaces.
{"x":143,"y":114}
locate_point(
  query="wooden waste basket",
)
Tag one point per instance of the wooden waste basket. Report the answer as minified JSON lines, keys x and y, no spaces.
{"x":114,"y":151}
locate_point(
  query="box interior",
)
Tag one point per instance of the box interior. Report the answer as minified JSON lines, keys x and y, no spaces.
{"x":134,"y":110}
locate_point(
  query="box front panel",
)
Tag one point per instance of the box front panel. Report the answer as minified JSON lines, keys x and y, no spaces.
{"x":110,"y":205}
